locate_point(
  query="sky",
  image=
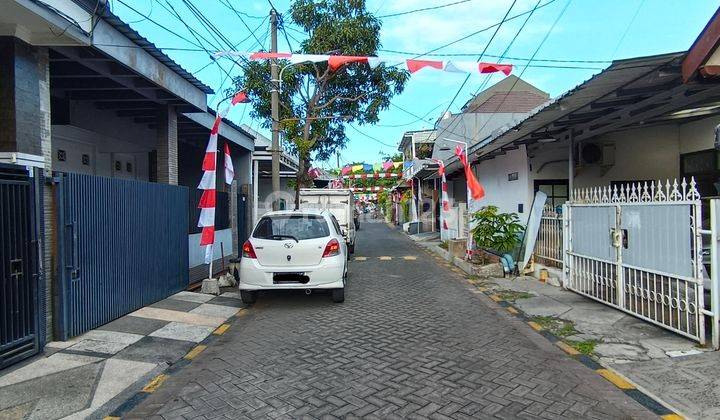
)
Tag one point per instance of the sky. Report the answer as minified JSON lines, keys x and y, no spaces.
{"x":597,"y":31}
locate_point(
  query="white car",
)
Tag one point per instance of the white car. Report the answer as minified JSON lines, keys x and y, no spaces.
{"x":301,"y":249}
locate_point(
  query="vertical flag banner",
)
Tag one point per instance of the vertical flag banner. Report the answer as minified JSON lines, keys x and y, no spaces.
{"x":207,"y":203}
{"x":229,"y":170}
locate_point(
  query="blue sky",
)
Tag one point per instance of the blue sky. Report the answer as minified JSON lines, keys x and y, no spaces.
{"x":595,"y":30}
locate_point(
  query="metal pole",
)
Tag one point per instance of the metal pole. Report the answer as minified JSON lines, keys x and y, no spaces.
{"x":714,"y":274}
{"x":275,"y":110}
{"x":212,"y":254}
{"x":571,"y":165}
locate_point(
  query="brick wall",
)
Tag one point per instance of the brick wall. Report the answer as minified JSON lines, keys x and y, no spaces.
{"x":167,"y":146}
{"x":25,"y":127}
{"x":20,"y":96}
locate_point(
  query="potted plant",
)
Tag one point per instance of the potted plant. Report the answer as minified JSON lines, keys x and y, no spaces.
{"x":500,"y":232}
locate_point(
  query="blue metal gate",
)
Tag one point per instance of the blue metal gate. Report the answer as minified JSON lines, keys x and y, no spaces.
{"x":122,"y":246}
{"x":21,"y":312}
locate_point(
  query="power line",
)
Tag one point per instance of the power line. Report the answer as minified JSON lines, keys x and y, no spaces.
{"x":487,"y":45}
{"x":158,"y":24}
{"x":627,"y":29}
{"x":424,"y":9}
{"x":370,"y":137}
{"x":546,"y":60}
{"x":418,"y":119}
{"x":487,"y":28}
{"x":230,"y":6}
{"x":542,"y":42}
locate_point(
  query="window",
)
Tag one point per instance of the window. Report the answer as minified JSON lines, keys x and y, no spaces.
{"x":704,"y":166}
{"x":300,"y":227}
{"x":338,"y":230}
{"x":556,"y":190}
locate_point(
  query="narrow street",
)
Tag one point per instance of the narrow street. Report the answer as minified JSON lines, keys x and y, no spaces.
{"x":411,"y":340}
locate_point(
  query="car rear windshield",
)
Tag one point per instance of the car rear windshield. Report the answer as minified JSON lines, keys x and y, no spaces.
{"x":298,"y":227}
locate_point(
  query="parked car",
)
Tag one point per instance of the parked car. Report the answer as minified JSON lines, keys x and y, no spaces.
{"x":300,"y":249}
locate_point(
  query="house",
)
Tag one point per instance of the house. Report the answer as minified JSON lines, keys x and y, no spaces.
{"x":511,"y":99}
{"x":262,"y":176}
{"x":102,"y":138}
{"x":628,"y":162}
{"x":417,"y":149}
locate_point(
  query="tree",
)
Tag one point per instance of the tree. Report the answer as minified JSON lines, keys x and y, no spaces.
{"x":316,"y":101}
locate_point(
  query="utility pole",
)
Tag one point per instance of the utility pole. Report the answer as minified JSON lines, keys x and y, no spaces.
{"x":275,"y":110}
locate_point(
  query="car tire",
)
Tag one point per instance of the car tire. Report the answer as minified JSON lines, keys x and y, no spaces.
{"x":351,"y":249}
{"x":248,"y":296}
{"x":338,"y":295}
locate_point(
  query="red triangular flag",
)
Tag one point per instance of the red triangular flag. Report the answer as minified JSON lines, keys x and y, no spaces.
{"x":240,"y":98}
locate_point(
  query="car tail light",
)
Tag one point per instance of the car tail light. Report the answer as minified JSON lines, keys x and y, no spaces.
{"x":248,"y":250}
{"x":332,"y":248}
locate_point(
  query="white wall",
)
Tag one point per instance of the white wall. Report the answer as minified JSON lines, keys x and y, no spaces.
{"x":103,"y":151}
{"x":499,"y":191}
{"x":196,"y":253}
{"x":698,"y":135}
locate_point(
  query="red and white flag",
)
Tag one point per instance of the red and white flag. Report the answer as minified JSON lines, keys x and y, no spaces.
{"x":229,"y":171}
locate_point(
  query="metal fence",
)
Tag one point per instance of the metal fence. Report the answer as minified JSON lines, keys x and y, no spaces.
{"x":122,"y":245}
{"x":549,"y":243}
{"x":638,"y":248}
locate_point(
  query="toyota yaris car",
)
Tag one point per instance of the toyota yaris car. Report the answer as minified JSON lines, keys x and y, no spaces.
{"x":301,"y":249}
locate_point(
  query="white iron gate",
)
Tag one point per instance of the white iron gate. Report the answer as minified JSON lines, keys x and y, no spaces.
{"x":638,"y":248}
{"x":549,"y":243}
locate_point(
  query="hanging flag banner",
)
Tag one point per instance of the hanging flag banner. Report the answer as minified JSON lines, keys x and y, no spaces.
{"x":445,"y":202}
{"x":375,"y":175}
{"x":336,"y":62}
{"x":229,"y":170}
{"x":477,"y":191}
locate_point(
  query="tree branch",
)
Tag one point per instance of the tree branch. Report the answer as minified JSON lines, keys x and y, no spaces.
{"x":338,"y":97}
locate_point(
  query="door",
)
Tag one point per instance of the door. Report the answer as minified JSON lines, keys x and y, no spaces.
{"x":20,"y":332}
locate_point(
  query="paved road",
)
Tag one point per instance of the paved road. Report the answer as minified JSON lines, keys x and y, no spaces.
{"x":411,"y":340}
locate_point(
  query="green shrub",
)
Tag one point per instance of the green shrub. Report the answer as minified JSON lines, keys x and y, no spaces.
{"x":500,"y":232}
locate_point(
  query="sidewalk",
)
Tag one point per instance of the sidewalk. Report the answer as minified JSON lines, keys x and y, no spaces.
{"x":671,"y":369}
{"x":91,"y":375}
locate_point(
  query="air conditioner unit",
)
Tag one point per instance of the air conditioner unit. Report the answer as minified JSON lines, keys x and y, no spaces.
{"x":595,"y":154}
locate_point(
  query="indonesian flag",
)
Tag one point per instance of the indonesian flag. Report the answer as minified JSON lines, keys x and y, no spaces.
{"x":477,"y":191}
{"x":229,"y":171}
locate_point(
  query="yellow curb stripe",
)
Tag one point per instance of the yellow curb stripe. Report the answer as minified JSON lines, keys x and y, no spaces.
{"x":483,"y":289}
{"x":221,"y":329}
{"x":672,"y":417}
{"x":495,"y":298}
{"x":195,"y":351}
{"x":153,"y":385}
{"x":512,"y":310}
{"x":241,"y":312}
{"x":615,"y":379}
{"x":534,"y":325}
{"x":111,"y":418}
{"x":567,"y":348}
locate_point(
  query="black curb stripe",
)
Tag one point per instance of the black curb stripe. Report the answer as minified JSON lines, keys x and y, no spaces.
{"x":171,"y":370}
{"x":647,"y":402}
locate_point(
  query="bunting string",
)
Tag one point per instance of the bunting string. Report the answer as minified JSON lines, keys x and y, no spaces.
{"x":335,"y":62}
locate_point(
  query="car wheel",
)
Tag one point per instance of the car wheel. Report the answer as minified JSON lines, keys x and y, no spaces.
{"x":248,"y":296}
{"x":338,"y":295}
{"x":351,"y":249}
